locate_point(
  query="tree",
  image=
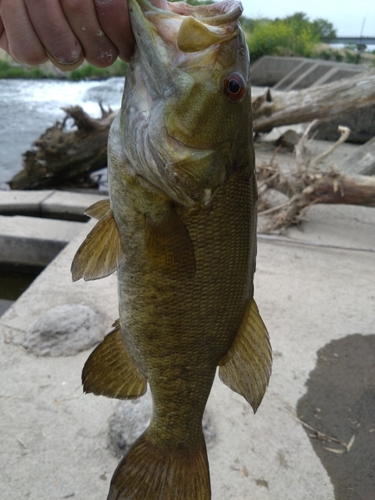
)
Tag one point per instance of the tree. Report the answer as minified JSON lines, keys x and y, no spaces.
{"x":324,"y":29}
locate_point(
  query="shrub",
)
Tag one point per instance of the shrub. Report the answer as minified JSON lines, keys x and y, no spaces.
{"x":89,"y":72}
{"x":281,"y":38}
{"x":352,"y":57}
{"x":293,"y":35}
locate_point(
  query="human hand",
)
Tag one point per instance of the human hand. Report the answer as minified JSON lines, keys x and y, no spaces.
{"x":67,"y":31}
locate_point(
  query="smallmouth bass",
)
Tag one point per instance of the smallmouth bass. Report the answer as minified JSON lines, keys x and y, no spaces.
{"x":180,"y":229}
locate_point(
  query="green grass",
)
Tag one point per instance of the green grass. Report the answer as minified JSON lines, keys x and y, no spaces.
{"x":89,"y":72}
{"x":8,"y":70}
{"x":85,"y":72}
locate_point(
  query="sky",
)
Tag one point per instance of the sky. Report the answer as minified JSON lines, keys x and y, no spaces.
{"x":346,"y":15}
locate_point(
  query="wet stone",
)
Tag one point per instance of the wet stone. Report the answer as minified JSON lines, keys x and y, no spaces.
{"x":131,"y":419}
{"x":65,"y":331}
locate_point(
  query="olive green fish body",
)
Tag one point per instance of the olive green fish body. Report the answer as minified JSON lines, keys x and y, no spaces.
{"x":180,"y":229}
{"x":176,"y":327}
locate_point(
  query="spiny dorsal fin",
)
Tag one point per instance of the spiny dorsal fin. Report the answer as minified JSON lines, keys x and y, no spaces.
{"x":98,"y":209}
{"x":169,"y":245}
{"x":110,"y":371}
{"x":100,"y":254}
{"x":194,"y":36}
{"x":246,"y":367}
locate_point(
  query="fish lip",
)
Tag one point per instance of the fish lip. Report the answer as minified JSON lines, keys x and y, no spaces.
{"x":224,"y":12}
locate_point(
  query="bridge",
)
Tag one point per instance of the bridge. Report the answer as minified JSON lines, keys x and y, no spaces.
{"x":361,"y":42}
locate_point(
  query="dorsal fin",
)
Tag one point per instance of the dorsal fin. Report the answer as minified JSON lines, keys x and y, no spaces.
{"x":246,"y":367}
{"x":110,"y":371}
{"x":100,"y":254}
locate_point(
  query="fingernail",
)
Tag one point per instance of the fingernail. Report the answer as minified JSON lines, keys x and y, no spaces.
{"x":104,"y":1}
{"x":69,"y":63}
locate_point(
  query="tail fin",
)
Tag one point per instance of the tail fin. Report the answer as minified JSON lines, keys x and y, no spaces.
{"x":150,"y":472}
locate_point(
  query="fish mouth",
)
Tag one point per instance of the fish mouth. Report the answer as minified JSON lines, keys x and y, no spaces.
{"x":214,"y":23}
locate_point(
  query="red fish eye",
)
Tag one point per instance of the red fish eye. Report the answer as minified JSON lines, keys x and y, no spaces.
{"x":234,"y":87}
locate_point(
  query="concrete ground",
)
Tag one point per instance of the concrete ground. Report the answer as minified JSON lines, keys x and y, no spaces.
{"x":315,"y":289}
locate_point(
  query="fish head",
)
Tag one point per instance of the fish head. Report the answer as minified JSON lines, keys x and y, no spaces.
{"x":187,"y":111}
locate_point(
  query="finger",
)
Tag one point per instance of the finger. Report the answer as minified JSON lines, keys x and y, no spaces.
{"x":17,"y":34}
{"x":55,"y":33}
{"x":114,"y":19}
{"x":82,"y":17}
{"x":4,"y":44}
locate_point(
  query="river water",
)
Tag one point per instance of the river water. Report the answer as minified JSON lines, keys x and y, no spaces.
{"x":28,"y":107}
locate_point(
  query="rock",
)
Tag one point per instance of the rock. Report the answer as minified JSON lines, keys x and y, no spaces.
{"x":65,"y":330}
{"x":130,"y":420}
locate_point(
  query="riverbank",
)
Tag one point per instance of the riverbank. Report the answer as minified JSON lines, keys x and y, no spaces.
{"x":12,"y":69}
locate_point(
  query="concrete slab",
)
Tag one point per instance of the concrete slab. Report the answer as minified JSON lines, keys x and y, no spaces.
{"x":281,"y":72}
{"x":23,"y":202}
{"x":48,"y":203}
{"x":68,"y":205}
{"x":269,"y":70}
{"x":55,"y":440}
{"x":33,"y":241}
{"x":334,"y":226}
{"x":54,"y":287}
{"x":298,"y":72}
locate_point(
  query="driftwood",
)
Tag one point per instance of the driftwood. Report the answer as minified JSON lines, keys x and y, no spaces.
{"x":308,"y":185}
{"x":61,"y":155}
{"x":275,"y":108}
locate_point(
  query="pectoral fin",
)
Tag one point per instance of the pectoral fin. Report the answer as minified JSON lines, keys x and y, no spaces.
{"x":246,"y":368}
{"x":169,"y":245}
{"x":100,"y":254}
{"x":110,"y":371}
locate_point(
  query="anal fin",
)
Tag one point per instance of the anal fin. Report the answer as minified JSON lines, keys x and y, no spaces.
{"x":101,"y":253}
{"x":110,"y":371}
{"x":246,"y":367}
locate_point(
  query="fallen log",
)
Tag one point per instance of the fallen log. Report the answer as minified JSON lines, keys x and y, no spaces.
{"x":275,"y":108}
{"x":61,"y":155}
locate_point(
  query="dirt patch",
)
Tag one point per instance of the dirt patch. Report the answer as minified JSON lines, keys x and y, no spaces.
{"x":339,"y":408}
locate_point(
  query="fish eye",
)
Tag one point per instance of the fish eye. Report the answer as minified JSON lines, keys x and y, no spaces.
{"x":234,"y":87}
